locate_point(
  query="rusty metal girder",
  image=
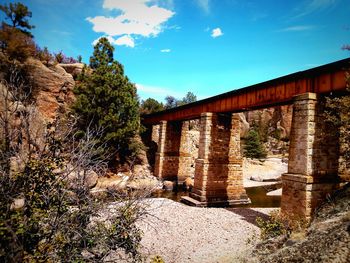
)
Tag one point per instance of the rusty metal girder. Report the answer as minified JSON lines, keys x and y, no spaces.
{"x":322,"y":80}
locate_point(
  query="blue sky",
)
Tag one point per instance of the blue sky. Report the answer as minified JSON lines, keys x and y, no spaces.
{"x":170,"y":47}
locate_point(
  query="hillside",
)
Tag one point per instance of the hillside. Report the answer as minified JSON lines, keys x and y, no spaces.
{"x":326,"y":240}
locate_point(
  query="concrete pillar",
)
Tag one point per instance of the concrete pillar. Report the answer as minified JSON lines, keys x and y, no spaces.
{"x":167,"y":156}
{"x":218,"y":172}
{"x":313,"y":159}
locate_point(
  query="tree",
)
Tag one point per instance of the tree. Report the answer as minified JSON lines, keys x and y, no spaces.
{"x":15,"y":39}
{"x":150,"y":106}
{"x":189,"y":98}
{"x":15,"y":44}
{"x":170,"y":102}
{"x":253,"y":145}
{"x":17,"y":13}
{"x":44,"y":215}
{"x":107,"y":100}
{"x":79,"y":58}
{"x":44,"y":55}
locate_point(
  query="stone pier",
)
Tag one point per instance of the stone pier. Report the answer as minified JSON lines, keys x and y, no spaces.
{"x":167,"y":156}
{"x":313,"y":159}
{"x":218,"y":172}
{"x":185,"y":156}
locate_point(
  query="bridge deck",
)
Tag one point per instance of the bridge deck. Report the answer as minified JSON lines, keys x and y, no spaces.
{"x":324,"y":79}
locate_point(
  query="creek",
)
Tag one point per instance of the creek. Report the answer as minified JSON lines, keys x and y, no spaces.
{"x":257,"y":196}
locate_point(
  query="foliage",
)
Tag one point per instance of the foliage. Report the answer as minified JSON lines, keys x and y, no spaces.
{"x":106,"y":100}
{"x":44,"y":55}
{"x":17,"y":13}
{"x":79,"y":58}
{"x":16,"y":44}
{"x":15,"y":38}
{"x":337,"y":113}
{"x":54,"y":223}
{"x":273,"y":227}
{"x":172,"y":102}
{"x":58,"y":221}
{"x":150,"y":106}
{"x":253,"y":146}
{"x":189,"y":98}
{"x":60,"y":57}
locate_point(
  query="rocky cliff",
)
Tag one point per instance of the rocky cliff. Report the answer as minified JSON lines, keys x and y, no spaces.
{"x":53,"y":87}
{"x":275,"y":121}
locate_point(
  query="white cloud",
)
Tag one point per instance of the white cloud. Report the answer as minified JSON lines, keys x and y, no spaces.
{"x":167,"y":50}
{"x":204,"y":5}
{"x":159,"y":93}
{"x":216,"y":32}
{"x":297,"y":28}
{"x":138,"y":17}
{"x":125,"y":40}
{"x":110,"y":39}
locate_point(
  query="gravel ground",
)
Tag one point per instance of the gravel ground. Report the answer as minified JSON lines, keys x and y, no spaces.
{"x":180,"y":233}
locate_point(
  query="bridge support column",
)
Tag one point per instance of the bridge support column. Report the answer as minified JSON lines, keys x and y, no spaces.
{"x":218,"y":173}
{"x":185,"y":156}
{"x":313,"y":159}
{"x":167,"y":156}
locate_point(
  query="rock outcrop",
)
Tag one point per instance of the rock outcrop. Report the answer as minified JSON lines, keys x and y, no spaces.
{"x":273,"y":119}
{"x":53,"y":88}
{"x":74,"y":69}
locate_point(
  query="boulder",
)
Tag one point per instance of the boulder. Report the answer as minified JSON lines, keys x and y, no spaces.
{"x":188,"y":184}
{"x":17,"y":203}
{"x":169,"y":185}
{"x":74,"y":69}
{"x":147,"y":185}
{"x":112,"y":182}
{"x":90,"y":178}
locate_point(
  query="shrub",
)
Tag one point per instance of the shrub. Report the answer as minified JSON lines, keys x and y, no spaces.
{"x":272,"y":227}
{"x":15,"y":43}
{"x":278,"y":225}
{"x":253,"y":146}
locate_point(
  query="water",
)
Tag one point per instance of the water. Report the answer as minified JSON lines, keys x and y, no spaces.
{"x":257,"y":196}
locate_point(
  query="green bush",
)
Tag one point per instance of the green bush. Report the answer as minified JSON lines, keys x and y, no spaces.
{"x":273,"y":227}
{"x":253,"y":146}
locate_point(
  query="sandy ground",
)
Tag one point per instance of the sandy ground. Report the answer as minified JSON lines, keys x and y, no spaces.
{"x":257,"y":173}
{"x":180,"y":233}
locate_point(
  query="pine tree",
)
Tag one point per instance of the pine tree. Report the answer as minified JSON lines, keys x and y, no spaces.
{"x":150,"y":106}
{"x":107,"y":101}
{"x":253,"y":146}
{"x":18,"y":14}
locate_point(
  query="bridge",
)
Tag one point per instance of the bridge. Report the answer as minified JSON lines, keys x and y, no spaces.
{"x":218,"y":180}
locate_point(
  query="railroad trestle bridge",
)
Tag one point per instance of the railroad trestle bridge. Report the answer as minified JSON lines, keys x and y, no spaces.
{"x":313,"y":151}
